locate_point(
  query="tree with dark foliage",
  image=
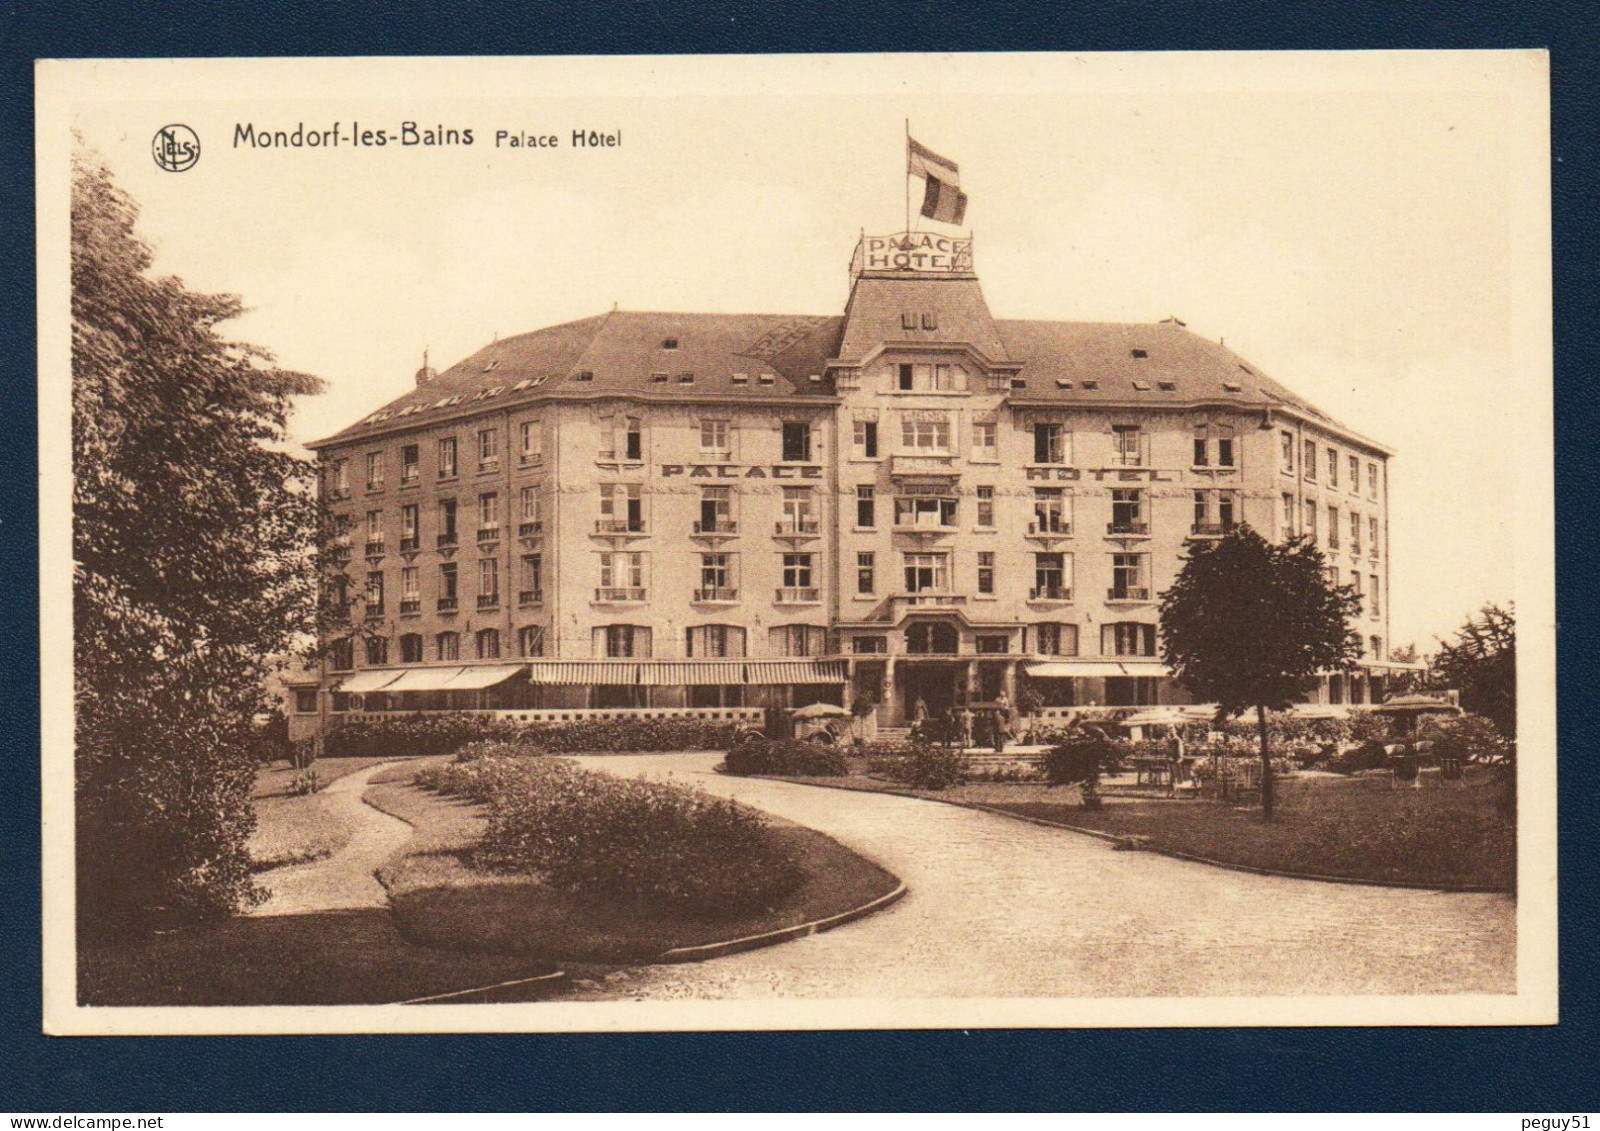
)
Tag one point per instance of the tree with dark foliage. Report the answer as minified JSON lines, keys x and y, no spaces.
{"x":1481,"y":663}
{"x":193,"y":535}
{"x":1251,"y":624}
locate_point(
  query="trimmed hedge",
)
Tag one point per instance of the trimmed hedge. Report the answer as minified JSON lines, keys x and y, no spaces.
{"x":785,"y":757}
{"x":414,"y":735}
{"x":592,"y":835}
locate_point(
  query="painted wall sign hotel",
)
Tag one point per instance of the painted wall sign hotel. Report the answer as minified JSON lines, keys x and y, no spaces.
{"x":913,"y":251}
{"x":735,"y":471}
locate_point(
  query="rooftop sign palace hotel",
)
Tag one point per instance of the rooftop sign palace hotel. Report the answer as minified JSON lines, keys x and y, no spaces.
{"x":911,"y":500}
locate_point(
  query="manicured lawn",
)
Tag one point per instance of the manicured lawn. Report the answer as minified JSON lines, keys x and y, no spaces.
{"x":330,"y":958}
{"x":1350,"y":828}
{"x":439,"y":901}
{"x":275,"y":780}
{"x":295,"y":830}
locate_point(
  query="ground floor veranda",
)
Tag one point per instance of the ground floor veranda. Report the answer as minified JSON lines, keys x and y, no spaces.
{"x":902,"y":687}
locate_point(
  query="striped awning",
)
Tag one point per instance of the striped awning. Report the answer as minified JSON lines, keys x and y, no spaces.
{"x":768,"y":672}
{"x":478,"y":677}
{"x":1068,"y":669}
{"x":375,"y":679}
{"x":580,"y":672}
{"x":682,"y":673}
{"x":424,"y":679}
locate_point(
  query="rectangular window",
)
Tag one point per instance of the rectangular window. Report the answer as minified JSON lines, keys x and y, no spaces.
{"x":343,"y":656}
{"x":1226,"y":500}
{"x":1309,"y":463}
{"x":488,"y":582}
{"x":797,"y":571}
{"x":985,"y":571}
{"x":305,"y":700}
{"x":1127,"y":511}
{"x":865,"y":439}
{"x":1333,"y":526}
{"x":906,"y":380}
{"x":621,"y":508}
{"x":1286,"y":452}
{"x":866,"y":573}
{"x":1049,"y":443}
{"x":1052,"y":513}
{"x":447,"y":458}
{"x":1127,"y":445}
{"x":796,"y":442}
{"x":410,"y":521}
{"x":410,"y":590}
{"x":489,"y":644}
{"x":796,"y":640}
{"x":927,"y":573}
{"x":411,"y":648}
{"x":530,"y":640}
{"x":1128,"y":578}
{"x":714,"y":439}
{"x":532,"y":590}
{"x":1055,"y":639}
{"x":410,"y":464}
{"x":447,"y":522}
{"x":1286,"y":516}
{"x":985,"y":440}
{"x":1376,"y":611}
{"x":1224,"y":445}
{"x":1333,"y":467}
{"x":869,"y":645}
{"x":985,"y":499}
{"x":449,"y":646}
{"x":797,"y":518}
{"x":716,"y":576}
{"x":1052,"y":577}
{"x":866,"y":506}
{"x":716,"y":511}
{"x":1202,"y":512}
{"x":489,"y":509}
{"x":531,"y":434}
{"x":1355,"y":533}
{"x":633,"y":439}
{"x":341,"y":476}
{"x":1311,"y":519}
{"x":375,"y":593}
{"x":924,"y":511}
{"x":1372,"y":481}
{"x":488,"y":449}
{"x":374,"y":470}
{"x":375,"y":527}
{"x":1128,"y":639}
{"x":1202,"y":446}
{"x":447,"y":584}
{"x":1355,"y":475}
{"x":620,"y":641}
{"x":1372,"y":535}
{"x":925,"y":434}
{"x":528,"y":504}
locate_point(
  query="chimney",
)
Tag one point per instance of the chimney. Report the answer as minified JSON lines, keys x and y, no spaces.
{"x":427,"y":372}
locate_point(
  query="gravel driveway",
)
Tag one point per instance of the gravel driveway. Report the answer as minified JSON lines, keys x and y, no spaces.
{"x":1001,"y":908}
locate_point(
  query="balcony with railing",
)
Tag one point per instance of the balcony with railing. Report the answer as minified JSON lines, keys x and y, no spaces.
{"x":374,"y":547}
{"x":923,"y":599}
{"x":1050,"y":593}
{"x":410,"y":545}
{"x":1210,"y":529}
{"x":614,"y":594}
{"x":798,"y":528}
{"x":410,"y":606}
{"x":530,"y":529}
{"x":490,"y":533}
{"x":1050,"y":530}
{"x":721,"y":526}
{"x":446,"y":539}
{"x":374,"y":610}
{"x":488,"y":600}
{"x":627,"y":526}
{"x":1128,"y":593}
{"x":530,"y":597}
{"x":717,"y":594}
{"x":798,"y":595}
{"x":1128,"y":529}
{"x":448,"y":604}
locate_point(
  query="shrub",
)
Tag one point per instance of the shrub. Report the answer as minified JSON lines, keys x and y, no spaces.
{"x":785,"y":756}
{"x":1079,"y":760}
{"x":589,"y":834}
{"x":937,"y":730}
{"x":1011,"y":772}
{"x":1472,"y":738}
{"x":445,"y":733}
{"x":930,"y":767}
{"x":1366,"y":756}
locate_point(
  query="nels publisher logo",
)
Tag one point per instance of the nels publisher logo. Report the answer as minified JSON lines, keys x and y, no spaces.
{"x":175,"y":148}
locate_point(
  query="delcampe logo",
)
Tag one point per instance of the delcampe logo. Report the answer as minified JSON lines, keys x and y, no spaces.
{"x":175,"y":148}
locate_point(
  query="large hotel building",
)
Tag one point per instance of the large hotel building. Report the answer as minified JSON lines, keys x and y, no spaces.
{"x":912,"y":500}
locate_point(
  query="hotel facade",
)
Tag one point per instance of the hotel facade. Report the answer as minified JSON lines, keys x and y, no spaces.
{"x":911,"y":501}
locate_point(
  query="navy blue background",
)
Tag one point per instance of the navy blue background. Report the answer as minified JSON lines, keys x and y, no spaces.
{"x":1533,"y":1070}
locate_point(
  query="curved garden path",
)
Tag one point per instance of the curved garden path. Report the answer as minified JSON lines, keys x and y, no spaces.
{"x":344,"y":880}
{"x":1002,"y":908}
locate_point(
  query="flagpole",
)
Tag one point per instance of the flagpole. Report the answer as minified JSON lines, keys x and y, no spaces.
{"x":908,"y":175}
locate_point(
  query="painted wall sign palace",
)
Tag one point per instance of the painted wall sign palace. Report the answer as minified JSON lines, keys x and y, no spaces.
{"x":911,"y":500}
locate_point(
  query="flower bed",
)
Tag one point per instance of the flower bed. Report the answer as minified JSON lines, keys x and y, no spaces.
{"x":421,"y":735}
{"x":785,"y":756}
{"x":651,"y":843}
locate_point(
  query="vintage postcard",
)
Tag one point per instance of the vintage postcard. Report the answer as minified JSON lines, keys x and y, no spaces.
{"x":796,"y":542}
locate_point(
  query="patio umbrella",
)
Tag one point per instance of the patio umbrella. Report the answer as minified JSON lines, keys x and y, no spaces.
{"x":820,"y":711}
{"x":1417,"y":705}
{"x":1159,"y":718}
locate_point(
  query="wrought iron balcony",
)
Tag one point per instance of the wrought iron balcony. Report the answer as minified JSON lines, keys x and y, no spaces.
{"x":614,"y":593}
{"x":1209,"y":529}
{"x":717,"y":593}
{"x":488,"y":600}
{"x":1050,"y":593}
{"x":798,"y":527}
{"x":410,"y":606}
{"x":720,"y":526}
{"x":1049,"y":530}
{"x":1138,"y":529}
{"x":489,"y":533}
{"x":409,"y":545}
{"x":619,"y":526}
{"x":1128,"y":593}
{"x":528,"y":529}
{"x":447,"y":539}
{"x":530,"y":597}
{"x":448,"y":604}
{"x":374,"y":547}
{"x":374,"y":610}
{"x":799,"y":595}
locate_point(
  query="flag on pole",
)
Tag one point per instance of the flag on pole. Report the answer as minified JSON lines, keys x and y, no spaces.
{"x":942,"y":199}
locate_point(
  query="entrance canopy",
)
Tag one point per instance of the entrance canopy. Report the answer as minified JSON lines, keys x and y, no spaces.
{"x":1066,"y":669}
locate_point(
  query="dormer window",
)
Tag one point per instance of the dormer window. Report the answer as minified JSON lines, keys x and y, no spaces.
{"x":1063,"y":383}
{"x":1167,"y":386}
{"x":1091,"y":384}
{"x":660,"y":378}
{"x":583,"y":375}
{"x":1142,"y":386}
{"x":908,"y":320}
{"x":686,"y":378}
{"x":740,"y":378}
{"x":1233,"y":387}
{"x":1141,"y":354}
{"x":764,"y":379}
{"x":1019,"y":382}
{"x":930,"y":321}
{"x":670,"y":344}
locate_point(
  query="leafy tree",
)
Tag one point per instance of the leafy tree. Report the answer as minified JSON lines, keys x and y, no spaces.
{"x":192,"y":534}
{"x":1481,"y":663}
{"x":1251,"y":624}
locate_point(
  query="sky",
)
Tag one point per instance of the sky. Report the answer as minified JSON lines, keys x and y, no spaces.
{"x":1357,"y":229}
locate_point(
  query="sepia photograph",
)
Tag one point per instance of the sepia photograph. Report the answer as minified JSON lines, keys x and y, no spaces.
{"x":796,"y":542}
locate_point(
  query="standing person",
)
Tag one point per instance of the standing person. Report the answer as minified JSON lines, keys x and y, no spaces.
{"x":1175,"y":761}
{"x":965,"y":721}
{"x":919,"y":711}
{"x":1005,"y":711}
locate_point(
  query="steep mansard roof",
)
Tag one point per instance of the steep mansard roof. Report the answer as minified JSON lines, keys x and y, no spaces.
{"x":761,"y":356}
